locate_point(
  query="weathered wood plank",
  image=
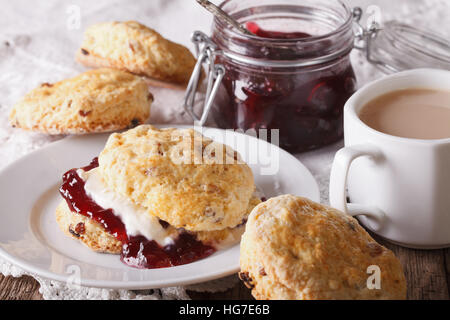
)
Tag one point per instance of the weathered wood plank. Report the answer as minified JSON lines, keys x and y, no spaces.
{"x":23,"y":288}
{"x":447,"y":267}
{"x":27,"y":288}
{"x":427,"y":274}
{"x":238,"y":292}
{"x":425,"y":271}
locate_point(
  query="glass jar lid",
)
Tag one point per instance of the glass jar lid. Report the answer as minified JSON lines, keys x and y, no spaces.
{"x":395,"y":47}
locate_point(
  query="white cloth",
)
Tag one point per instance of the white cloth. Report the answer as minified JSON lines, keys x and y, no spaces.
{"x":38,"y":42}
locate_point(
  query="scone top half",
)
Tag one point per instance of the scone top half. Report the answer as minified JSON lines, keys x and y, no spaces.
{"x":179,"y":176}
{"x":138,"y":49}
{"x":294,"y":248}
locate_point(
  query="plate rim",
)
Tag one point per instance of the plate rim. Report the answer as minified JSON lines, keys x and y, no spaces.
{"x":32,"y":269}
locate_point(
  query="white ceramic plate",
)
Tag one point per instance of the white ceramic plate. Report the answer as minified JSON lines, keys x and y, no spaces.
{"x":31,"y":239}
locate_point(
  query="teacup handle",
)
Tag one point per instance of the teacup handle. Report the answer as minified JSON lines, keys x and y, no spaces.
{"x":338,"y":181}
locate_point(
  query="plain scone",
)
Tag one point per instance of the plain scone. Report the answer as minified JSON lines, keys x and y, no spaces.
{"x":138,"y":49}
{"x":176,"y":175}
{"x":100,"y":100}
{"x":296,"y":249}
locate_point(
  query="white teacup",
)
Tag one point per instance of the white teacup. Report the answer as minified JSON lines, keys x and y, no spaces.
{"x":398,"y":187}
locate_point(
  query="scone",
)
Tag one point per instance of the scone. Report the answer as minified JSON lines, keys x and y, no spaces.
{"x":159,"y":197}
{"x":179,"y":176}
{"x":294,"y":248}
{"x":99,"y":100}
{"x":95,"y":236}
{"x":138,"y":49}
{"x":88,"y":231}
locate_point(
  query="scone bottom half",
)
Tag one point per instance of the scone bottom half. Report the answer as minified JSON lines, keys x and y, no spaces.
{"x":101,"y":100}
{"x":108,"y":230}
{"x":296,"y":249}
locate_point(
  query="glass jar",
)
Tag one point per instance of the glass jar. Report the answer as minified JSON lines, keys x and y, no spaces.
{"x":297,"y":80}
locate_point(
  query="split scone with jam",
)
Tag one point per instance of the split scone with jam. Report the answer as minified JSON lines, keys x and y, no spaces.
{"x":158,"y":197}
{"x":101,"y":100}
{"x":138,"y":49}
{"x":296,"y":249}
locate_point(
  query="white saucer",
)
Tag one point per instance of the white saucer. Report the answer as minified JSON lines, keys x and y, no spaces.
{"x":31,"y":239}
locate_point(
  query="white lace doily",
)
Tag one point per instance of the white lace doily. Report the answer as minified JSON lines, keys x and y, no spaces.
{"x":37,"y":44}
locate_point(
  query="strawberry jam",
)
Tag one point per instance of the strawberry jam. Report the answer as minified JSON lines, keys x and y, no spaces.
{"x":78,"y":201}
{"x":260,"y":32}
{"x":137,"y":251}
{"x":290,"y":81}
{"x":142,"y":253}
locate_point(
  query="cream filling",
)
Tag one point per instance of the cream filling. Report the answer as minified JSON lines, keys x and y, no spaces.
{"x":135,"y":218}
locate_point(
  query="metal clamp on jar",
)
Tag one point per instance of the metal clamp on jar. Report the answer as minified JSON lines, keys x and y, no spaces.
{"x":281,"y":78}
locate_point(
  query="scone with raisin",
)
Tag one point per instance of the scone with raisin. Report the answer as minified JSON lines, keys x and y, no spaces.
{"x":94,"y":235}
{"x":296,"y":249}
{"x":138,"y":49}
{"x":159,"y":197}
{"x":99,"y":100}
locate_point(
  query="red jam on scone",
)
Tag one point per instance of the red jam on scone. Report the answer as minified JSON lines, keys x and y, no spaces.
{"x":150,"y":239}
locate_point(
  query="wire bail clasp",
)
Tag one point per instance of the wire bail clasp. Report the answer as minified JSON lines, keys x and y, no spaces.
{"x":206,"y":52}
{"x":364,"y":38}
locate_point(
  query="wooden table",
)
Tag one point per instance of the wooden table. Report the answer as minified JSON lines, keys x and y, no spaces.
{"x":427,"y":274}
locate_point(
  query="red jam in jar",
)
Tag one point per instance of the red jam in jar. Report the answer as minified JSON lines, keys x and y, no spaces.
{"x":294,"y":74}
{"x":260,"y":32}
